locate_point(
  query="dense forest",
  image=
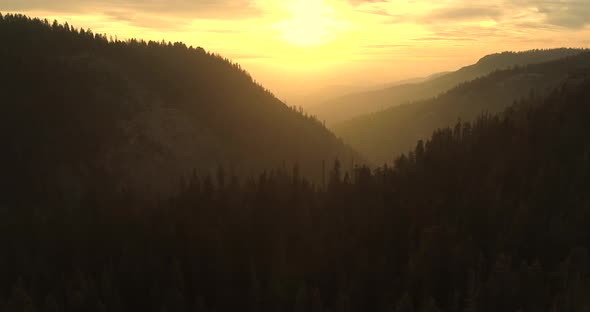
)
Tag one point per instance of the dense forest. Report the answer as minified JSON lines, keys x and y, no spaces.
{"x":149,"y":112}
{"x":356,"y":104}
{"x":490,"y":214}
{"x":383,"y":135}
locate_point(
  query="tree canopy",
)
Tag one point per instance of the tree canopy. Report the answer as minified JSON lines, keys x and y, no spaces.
{"x":490,"y":214}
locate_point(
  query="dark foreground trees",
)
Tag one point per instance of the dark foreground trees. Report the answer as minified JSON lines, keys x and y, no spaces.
{"x":485,"y":216}
{"x":490,"y":215}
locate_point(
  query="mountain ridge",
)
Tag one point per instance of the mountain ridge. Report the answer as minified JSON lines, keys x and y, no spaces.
{"x":385,"y":134}
{"x":357,"y":104}
{"x":148,"y":113}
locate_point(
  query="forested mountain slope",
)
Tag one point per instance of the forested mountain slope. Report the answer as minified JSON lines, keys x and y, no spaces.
{"x":384,"y":135}
{"x":490,"y":215}
{"x":356,"y":104}
{"x":146,"y":113}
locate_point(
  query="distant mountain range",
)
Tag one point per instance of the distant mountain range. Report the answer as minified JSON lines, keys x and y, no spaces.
{"x":356,"y":104}
{"x":316,"y":97}
{"x":383,"y":135}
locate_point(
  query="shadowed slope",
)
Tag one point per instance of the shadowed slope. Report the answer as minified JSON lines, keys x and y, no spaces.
{"x":145,"y":112}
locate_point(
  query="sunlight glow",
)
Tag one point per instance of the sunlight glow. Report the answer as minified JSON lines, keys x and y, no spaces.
{"x":338,"y":42}
{"x":311,"y":23}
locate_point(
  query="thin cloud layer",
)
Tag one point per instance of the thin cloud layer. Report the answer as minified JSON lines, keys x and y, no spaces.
{"x":206,"y":9}
{"x":465,"y":13}
{"x":568,"y":13}
{"x":563,"y":13}
{"x":537,"y":13}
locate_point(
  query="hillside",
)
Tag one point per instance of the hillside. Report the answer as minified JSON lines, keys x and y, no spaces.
{"x":386,"y":134}
{"x":144,"y":113}
{"x":327,"y":93}
{"x":490,"y":215}
{"x":357,"y":104}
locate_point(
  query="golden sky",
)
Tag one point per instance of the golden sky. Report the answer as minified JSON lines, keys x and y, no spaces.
{"x":295,"y":47}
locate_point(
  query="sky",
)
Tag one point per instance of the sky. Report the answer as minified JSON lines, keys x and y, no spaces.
{"x":301,"y":47}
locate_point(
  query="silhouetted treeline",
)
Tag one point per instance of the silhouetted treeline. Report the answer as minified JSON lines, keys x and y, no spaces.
{"x":388,"y":133}
{"x":485,"y":216}
{"x":147,"y":111}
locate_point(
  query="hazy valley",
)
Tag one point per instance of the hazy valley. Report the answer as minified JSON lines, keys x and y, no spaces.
{"x":142,"y":175}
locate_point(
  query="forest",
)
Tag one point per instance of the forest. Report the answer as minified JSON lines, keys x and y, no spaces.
{"x":382,"y":135}
{"x":485,"y":214}
{"x":148,"y":111}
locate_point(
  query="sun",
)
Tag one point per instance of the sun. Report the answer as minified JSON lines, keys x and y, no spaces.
{"x":311,"y":23}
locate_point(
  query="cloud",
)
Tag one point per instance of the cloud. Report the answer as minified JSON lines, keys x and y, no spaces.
{"x":563,"y":13}
{"x":513,"y":14}
{"x":205,"y":9}
{"x":120,"y":16}
{"x":222,"y":31}
{"x":571,"y":14}
{"x":162,"y":23}
{"x":445,"y":38}
{"x":386,"y":46}
{"x":464,"y":13}
{"x":359,"y":2}
{"x":248,"y":56}
{"x":375,"y":11}
{"x":148,"y":21}
{"x":440,"y":16}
